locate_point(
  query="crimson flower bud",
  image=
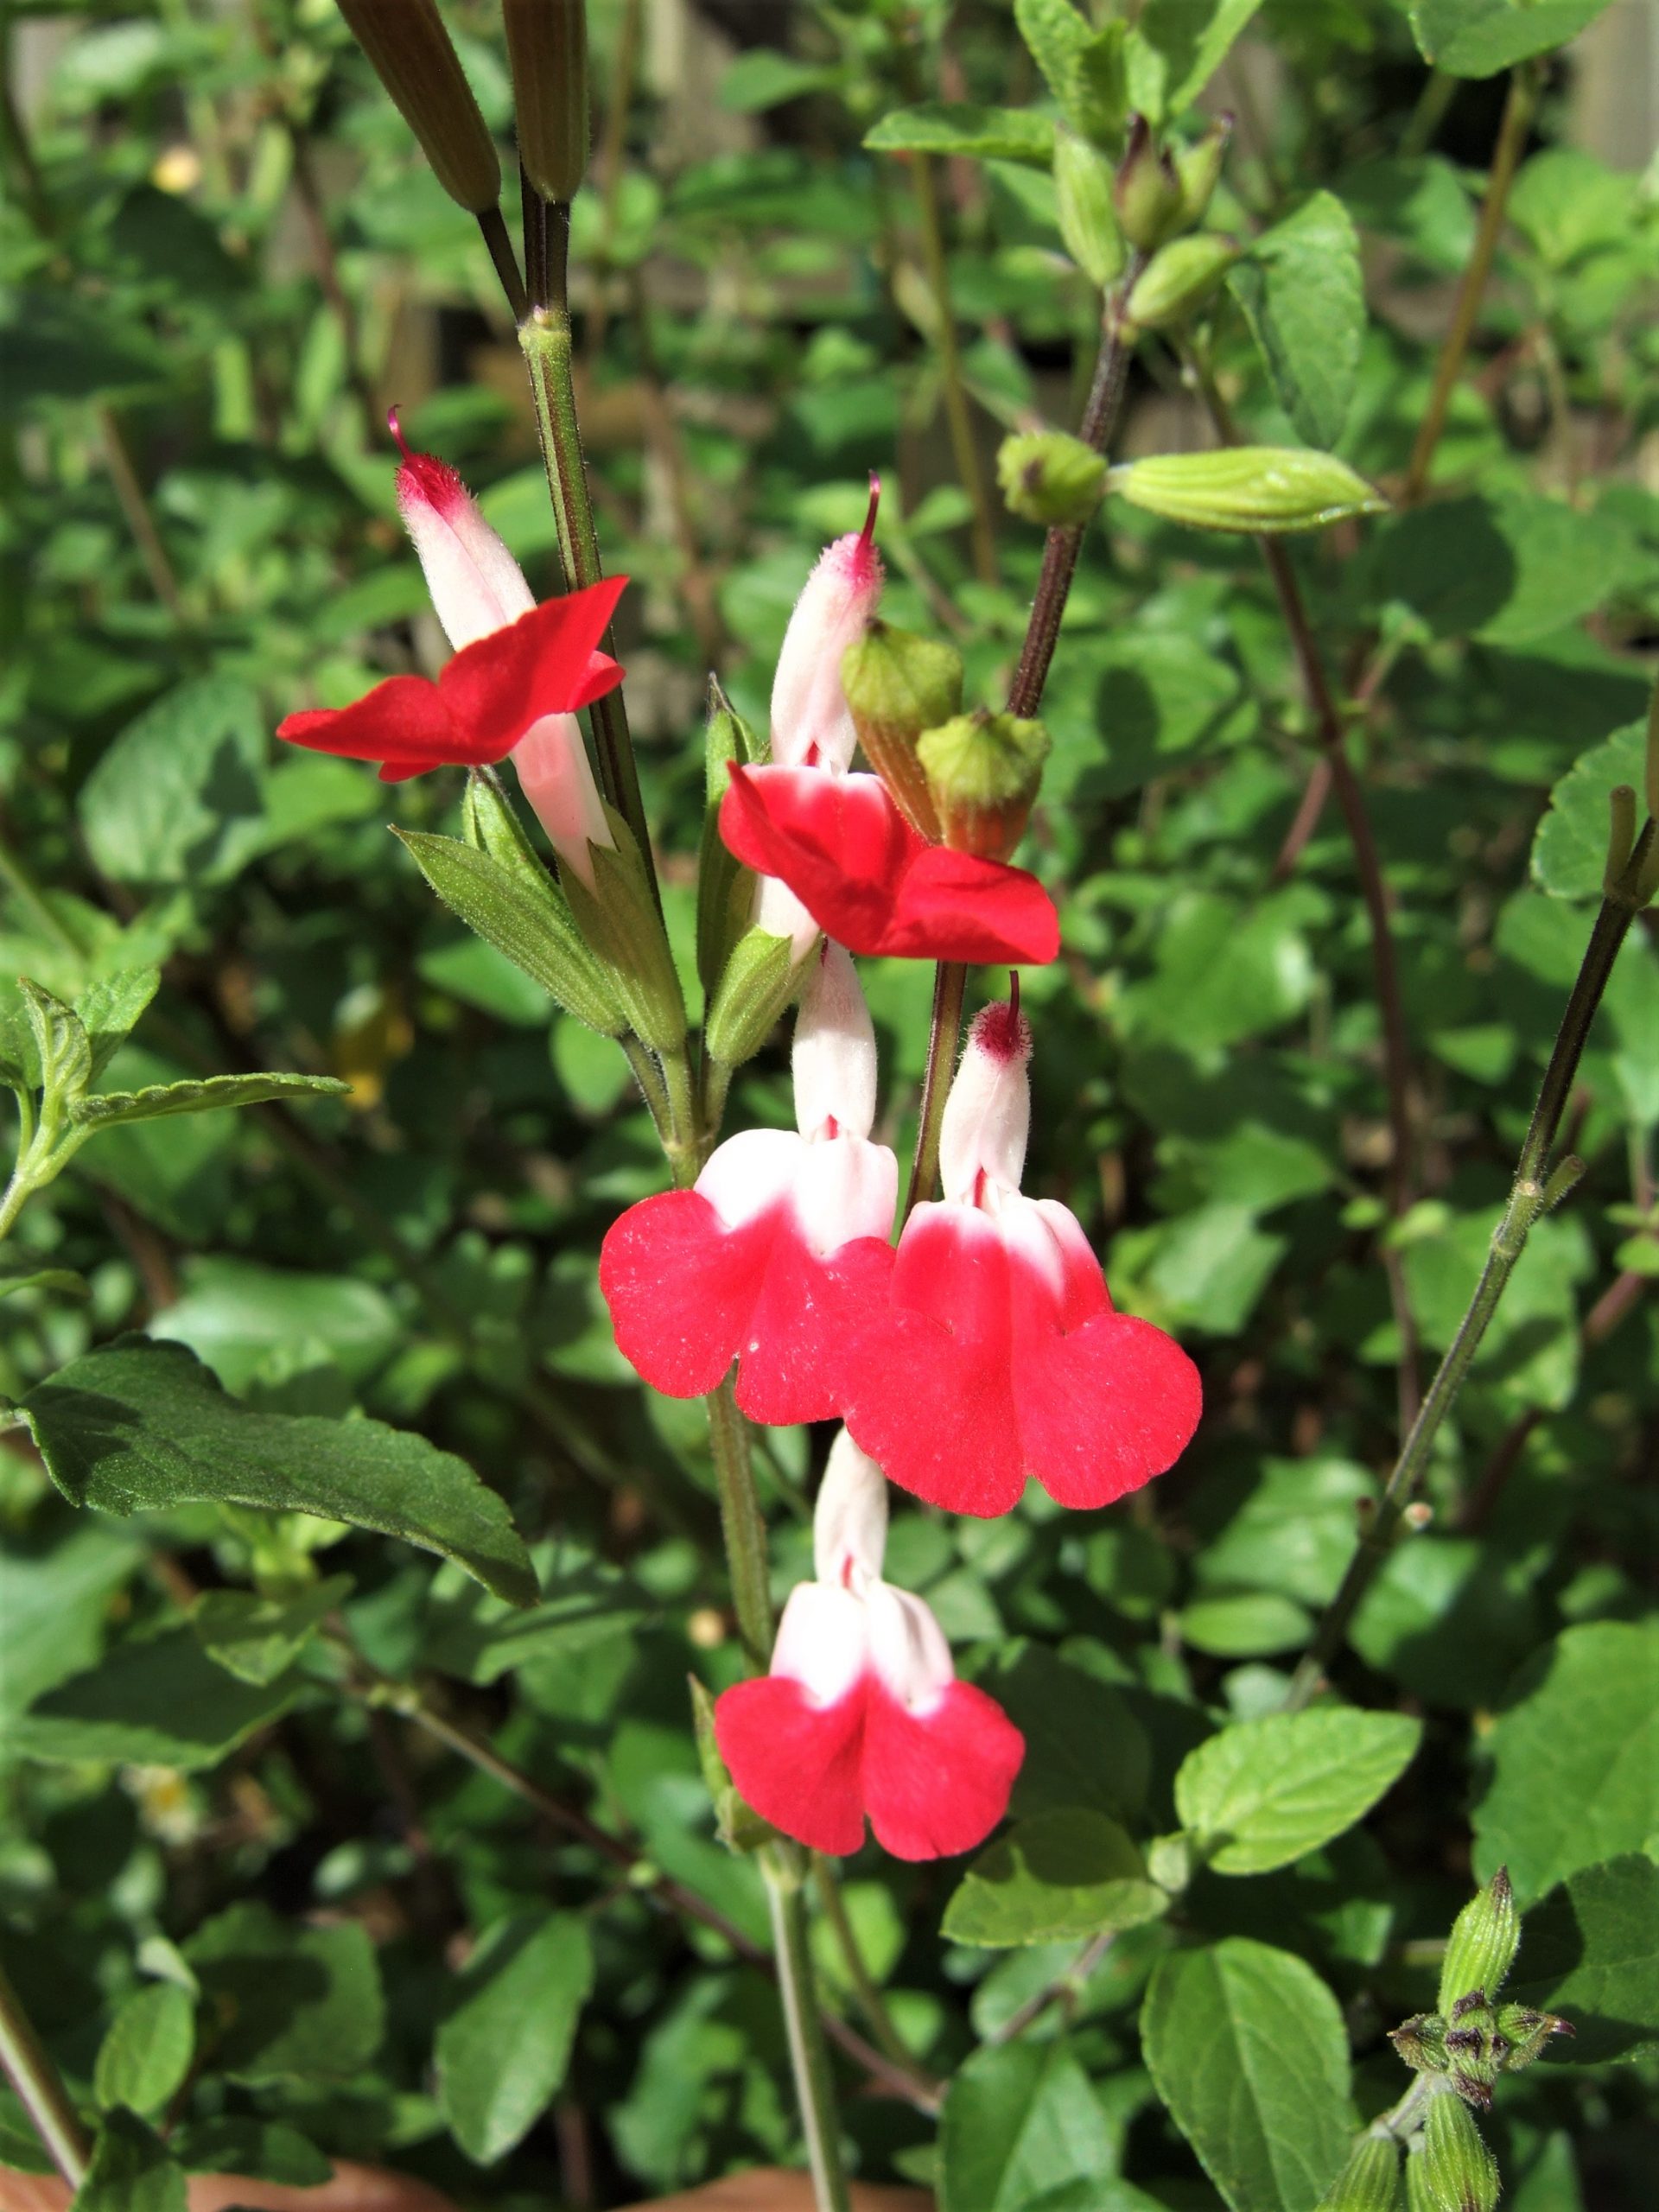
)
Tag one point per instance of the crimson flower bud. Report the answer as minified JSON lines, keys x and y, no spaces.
{"x":810,"y":725}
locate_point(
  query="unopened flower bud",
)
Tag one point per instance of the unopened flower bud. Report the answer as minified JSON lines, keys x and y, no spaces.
{"x":1261,"y":488}
{"x":1459,"y":2172}
{"x":810,"y":725}
{"x":1083,"y":188}
{"x":1198,"y":168}
{"x":899,"y":683}
{"x":1524,"y":2031}
{"x":850,"y":1522}
{"x":1483,"y":1944}
{"x":986,"y":1118}
{"x":409,"y":51}
{"x":982,"y":771}
{"x":476,"y":585}
{"x":1178,"y":279}
{"x":1147,"y":193}
{"x":725,"y":888}
{"x":1370,"y":2180}
{"x":1420,"y":2041}
{"x":547,"y":47}
{"x":1051,"y":477}
{"x":556,"y":777}
{"x":1474,"y":2056}
{"x":833,"y":1061}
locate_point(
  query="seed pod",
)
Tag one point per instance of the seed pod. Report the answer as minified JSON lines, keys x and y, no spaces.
{"x":1147,"y":193}
{"x":1265,"y":488}
{"x":1178,"y":279}
{"x":1482,"y":1947}
{"x":409,"y":51}
{"x":1459,"y":2172}
{"x":547,"y":47}
{"x":1198,"y":168}
{"x":899,"y":683}
{"x":1370,"y":2180}
{"x":982,"y":773}
{"x":1083,"y":188}
{"x":1524,"y":2032}
{"x":760,"y":978}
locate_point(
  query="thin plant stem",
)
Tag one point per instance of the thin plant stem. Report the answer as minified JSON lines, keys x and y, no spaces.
{"x":871,"y":2002}
{"x":649,"y":1077}
{"x":135,"y":507}
{"x":741,"y":1523}
{"x":1064,"y":1988}
{"x":958,"y":414}
{"x":949,"y":984}
{"x":1065,"y":542}
{"x":804,"y":2024}
{"x":1527,"y":1201}
{"x":1374,"y":893}
{"x":40,"y":2087}
{"x":493,"y":229}
{"x":1518,"y":110}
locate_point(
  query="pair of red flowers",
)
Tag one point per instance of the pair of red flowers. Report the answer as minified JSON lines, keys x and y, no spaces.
{"x":981,"y":1351}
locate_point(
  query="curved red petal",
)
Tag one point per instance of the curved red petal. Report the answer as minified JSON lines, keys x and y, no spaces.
{"x":936,"y":1417}
{"x":936,"y":1784}
{"x":404,"y":720}
{"x":795,"y":1763}
{"x":543,"y":663}
{"x":1104,"y":1409}
{"x":838,"y":842}
{"x":793,"y":1359}
{"x":957,"y":906}
{"x":681,"y":1287}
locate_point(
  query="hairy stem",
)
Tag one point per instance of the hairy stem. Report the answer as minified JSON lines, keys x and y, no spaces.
{"x":871,"y":2002}
{"x":804,"y":2024}
{"x":1518,"y":108}
{"x":40,"y":2087}
{"x":742,"y":1523}
{"x":1526,"y":1203}
{"x":1065,"y":543}
{"x":950,"y":982}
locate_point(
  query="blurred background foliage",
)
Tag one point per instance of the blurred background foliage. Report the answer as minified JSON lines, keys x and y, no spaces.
{"x":222,"y":259}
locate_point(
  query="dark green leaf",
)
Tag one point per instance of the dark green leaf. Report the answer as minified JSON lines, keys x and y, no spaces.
{"x":1590,"y":1953}
{"x":204,"y":1096}
{"x":262,"y":2149}
{"x":142,"y":1426}
{"x":131,"y":2171}
{"x":21,"y":1275}
{"x":1247,"y":1625}
{"x":1019,"y":2123}
{"x":502,"y":2053}
{"x":1063,"y":1873}
{"x":177,"y":797}
{"x":1265,"y":1792}
{"x":1575,"y":1758}
{"x":1301,"y":289}
{"x":998,"y":134}
{"x":289,"y":2003}
{"x":1509,"y":568}
{"x":156,"y":1701}
{"x":1476,"y":38}
{"x":146,"y":2053}
{"x":1176,"y":47}
{"x":1247,"y":2048}
{"x":110,"y":1009}
{"x":1569,"y":854}
{"x":1084,"y":1747}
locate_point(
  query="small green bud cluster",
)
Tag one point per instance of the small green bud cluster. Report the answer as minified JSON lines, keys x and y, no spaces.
{"x":964,"y":780}
{"x":1472,"y":2038}
{"x":1049,"y":477}
{"x":1157,"y":192}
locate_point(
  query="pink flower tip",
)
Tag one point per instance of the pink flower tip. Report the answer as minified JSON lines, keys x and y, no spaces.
{"x":1001,"y":1031}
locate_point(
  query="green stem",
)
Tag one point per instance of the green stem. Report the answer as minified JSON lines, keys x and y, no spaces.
{"x":809,"y":2054}
{"x":1518,"y":108}
{"x":1526,"y":1203}
{"x":872,"y":2002}
{"x":684,"y":1142}
{"x":958,"y":414}
{"x":544,"y":339}
{"x":741,"y":1523}
{"x":40,"y":2087}
{"x":949,"y":982}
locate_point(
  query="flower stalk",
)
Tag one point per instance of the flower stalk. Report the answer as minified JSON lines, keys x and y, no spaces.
{"x":40,"y":2087}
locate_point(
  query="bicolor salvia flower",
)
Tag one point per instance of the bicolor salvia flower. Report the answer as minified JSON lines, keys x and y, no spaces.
{"x":781,"y":1245}
{"x":999,"y":1355}
{"x":844,"y":856}
{"x":862,"y":1715}
{"x":520,"y":671}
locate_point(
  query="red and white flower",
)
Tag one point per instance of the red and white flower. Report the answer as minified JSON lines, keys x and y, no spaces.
{"x":832,"y":850}
{"x":781,"y":1246}
{"x":862,"y":1715}
{"x":999,"y":1356}
{"x":519,"y":674}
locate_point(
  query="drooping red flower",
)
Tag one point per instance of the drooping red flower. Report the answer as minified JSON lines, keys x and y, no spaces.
{"x":780,"y":1248}
{"x":872,"y":882}
{"x":999,"y":1356}
{"x":862,"y":1715}
{"x":515,"y":663}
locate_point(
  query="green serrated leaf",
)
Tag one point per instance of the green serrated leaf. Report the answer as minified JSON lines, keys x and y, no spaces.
{"x":1084,"y":67}
{"x":995,"y":134}
{"x":292,"y":2003}
{"x":131,"y":2171}
{"x":146,"y":2053}
{"x":206,"y":1096}
{"x":154,"y":1700}
{"x":1247,"y":2048}
{"x":142,"y":1426}
{"x":1061,"y":1874}
{"x":502,"y":2053}
{"x":1476,"y":38}
{"x":1176,"y":47}
{"x":1304,"y":296}
{"x":526,"y":917}
{"x":1569,"y":854}
{"x":1020,"y":2123}
{"x":110,"y":1009}
{"x":62,"y":1052}
{"x":1589,"y":1952}
{"x":1265,"y":1792}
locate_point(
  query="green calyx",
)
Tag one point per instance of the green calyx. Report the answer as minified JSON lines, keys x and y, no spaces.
{"x":547,"y":48}
{"x":1177,"y":281}
{"x":899,"y":683}
{"x":982,"y":773}
{"x":1083,"y":192}
{"x":1050,"y":477}
{"x":1481,"y":1950}
{"x":1458,"y":2171}
{"x":1147,"y":194}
